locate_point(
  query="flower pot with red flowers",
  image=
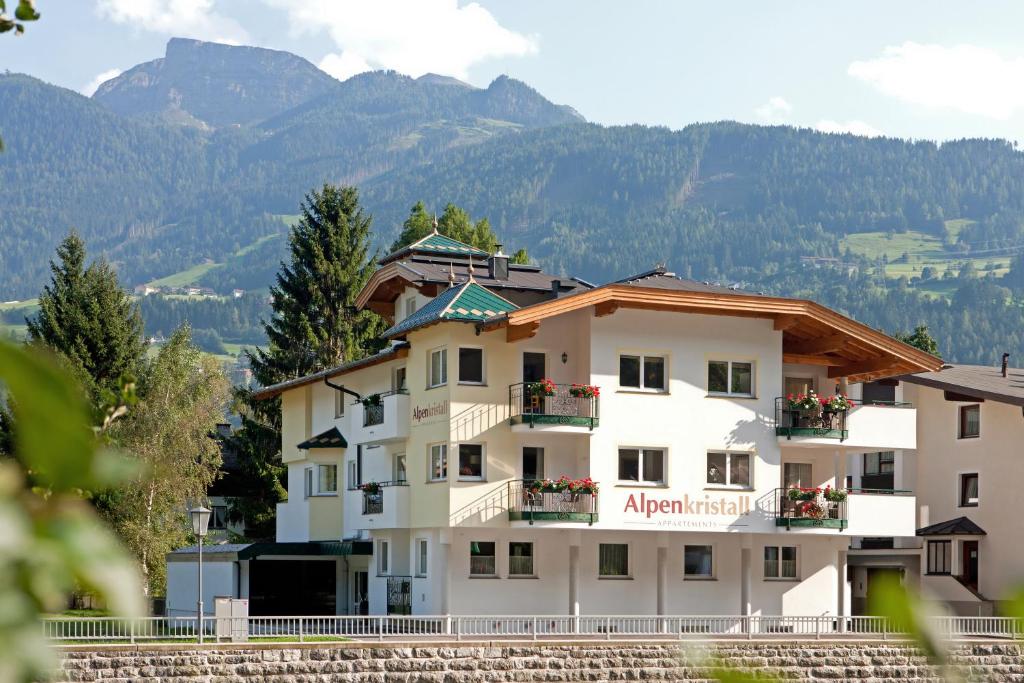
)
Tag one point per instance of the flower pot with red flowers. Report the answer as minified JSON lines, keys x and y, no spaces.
{"x":544,"y":388}
{"x":584,"y":391}
{"x":804,"y":409}
{"x":812,"y":509}
{"x":370,"y":488}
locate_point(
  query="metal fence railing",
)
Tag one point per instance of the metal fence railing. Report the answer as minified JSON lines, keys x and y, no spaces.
{"x":396,"y":626}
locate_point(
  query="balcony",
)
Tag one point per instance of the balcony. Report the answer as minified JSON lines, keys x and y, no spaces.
{"x":380,"y":418}
{"x":529,"y":501}
{"x":887,"y":426}
{"x":553,"y":407}
{"x":387,"y":507}
{"x":860,"y":512}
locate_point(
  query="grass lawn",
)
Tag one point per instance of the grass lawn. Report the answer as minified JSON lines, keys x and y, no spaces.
{"x":185,"y":277}
{"x":13,"y":305}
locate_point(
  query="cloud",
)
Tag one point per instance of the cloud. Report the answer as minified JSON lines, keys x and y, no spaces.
{"x":965,"y":78}
{"x":853,"y":127}
{"x":413,"y":37}
{"x":775,"y":109}
{"x":185,"y":18}
{"x":90,"y":88}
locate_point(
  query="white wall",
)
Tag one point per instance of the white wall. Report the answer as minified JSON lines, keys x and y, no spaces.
{"x":219,"y":579}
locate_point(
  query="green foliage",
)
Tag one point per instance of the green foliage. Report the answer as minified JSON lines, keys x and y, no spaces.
{"x":182,"y":397}
{"x":53,"y":541}
{"x":87,"y":318}
{"x":921,"y":339}
{"x":25,"y":11}
{"x":454,"y":223}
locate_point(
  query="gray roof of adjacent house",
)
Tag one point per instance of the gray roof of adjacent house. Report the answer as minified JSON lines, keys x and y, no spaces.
{"x":433,"y":270}
{"x":660,"y":278}
{"x":976,"y":381}
{"x":384,"y":354}
{"x":331,"y":438}
{"x":247,"y":551}
{"x":961,"y":526}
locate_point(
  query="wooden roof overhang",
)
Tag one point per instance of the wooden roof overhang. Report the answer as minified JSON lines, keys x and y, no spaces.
{"x":811,"y":333}
{"x":386,"y":284}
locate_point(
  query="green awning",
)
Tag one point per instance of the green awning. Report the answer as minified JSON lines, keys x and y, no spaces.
{"x":321,"y":548}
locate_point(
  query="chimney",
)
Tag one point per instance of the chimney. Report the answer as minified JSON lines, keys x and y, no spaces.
{"x":497,"y":265}
{"x":1006,"y":362}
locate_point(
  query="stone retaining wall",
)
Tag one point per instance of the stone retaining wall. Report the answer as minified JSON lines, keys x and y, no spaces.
{"x":496,"y":662}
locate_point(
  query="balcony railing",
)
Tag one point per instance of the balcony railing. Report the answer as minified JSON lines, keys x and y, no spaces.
{"x":790,"y":422}
{"x":811,"y":510}
{"x":373,"y":502}
{"x":373,"y":407}
{"x":529,"y":405}
{"x":527,"y":502}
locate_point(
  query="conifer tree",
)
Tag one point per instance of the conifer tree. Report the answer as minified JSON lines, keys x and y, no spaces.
{"x":87,"y":318}
{"x":456,"y":223}
{"x":315,"y":325}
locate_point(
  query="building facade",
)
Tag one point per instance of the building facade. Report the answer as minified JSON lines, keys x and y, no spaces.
{"x":533,"y":445}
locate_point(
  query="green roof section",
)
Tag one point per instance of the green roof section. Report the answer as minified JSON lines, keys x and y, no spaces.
{"x":438,"y":245}
{"x":468,"y":302}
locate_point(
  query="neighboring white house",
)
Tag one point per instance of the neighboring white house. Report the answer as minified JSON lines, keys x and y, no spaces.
{"x":423,"y":479}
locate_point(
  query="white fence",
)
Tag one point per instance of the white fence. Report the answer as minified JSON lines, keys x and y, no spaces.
{"x":394,"y":627}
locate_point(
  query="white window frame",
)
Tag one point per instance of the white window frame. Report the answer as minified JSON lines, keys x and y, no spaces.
{"x":643,"y":358}
{"x":395,"y":460}
{"x":339,"y":404}
{"x":483,"y":462}
{"x":319,"y":480}
{"x":629,"y":563}
{"x":493,"y":574}
{"x":533,"y":561}
{"x":353,"y":475}
{"x":728,"y":470}
{"x":714,"y":563}
{"x":483,"y":367}
{"x":410,"y":306}
{"x":383,"y":557}
{"x":640,"y":465}
{"x":443,"y":451}
{"x":307,"y":482}
{"x":779,"y":576}
{"x":422,"y":557}
{"x":442,"y":353}
{"x":728,"y":377}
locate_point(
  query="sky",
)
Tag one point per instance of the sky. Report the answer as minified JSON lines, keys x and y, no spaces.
{"x":913,"y":69}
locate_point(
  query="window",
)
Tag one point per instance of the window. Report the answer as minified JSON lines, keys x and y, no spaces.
{"x":970,"y":422}
{"x":339,"y":404}
{"x":471,"y":366}
{"x":327,"y":479}
{"x":730,"y":378}
{"x":398,"y":381}
{"x":940,"y":556}
{"x":796,"y":474}
{"x":779,"y":562}
{"x":798,"y":385}
{"x":421,"y":557}
{"x":399,"y":473}
{"x":520,"y":559}
{"x":481,"y":558}
{"x":533,"y":463}
{"x":471,"y":461}
{"x":729,"y":469}
{"x":642,"y":372}
{"x":410,"y":306}
{"x":697,"y":562}
{"x":383,"y":561}
{"x":969,"y":490}
{"x":880,"y":463}
{"x":438,"y":368}
{"x":307,"y":482}
{"x":612,"y":560}
{"x":353,"y":475}
{"x":439,"y":462}
{"x":646,"y":465}
{"x":218,"y":516}
{"x":883,"y":391}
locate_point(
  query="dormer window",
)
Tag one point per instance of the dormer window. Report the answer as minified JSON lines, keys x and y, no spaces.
{"x":410,"y":306}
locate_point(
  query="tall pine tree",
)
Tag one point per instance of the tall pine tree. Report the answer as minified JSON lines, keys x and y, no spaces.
{"x":87,"y":318}
{"x":455,"y":223}
{"x":314,"y":325}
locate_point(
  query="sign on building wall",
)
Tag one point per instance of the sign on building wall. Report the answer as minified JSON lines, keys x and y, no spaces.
{"x":430,"y":412}
{"x":686,"y":511}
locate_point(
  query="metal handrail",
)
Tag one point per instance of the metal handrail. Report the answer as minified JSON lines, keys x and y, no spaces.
{"x":532,"y":408}
{"x":825,"y":513}
{"x":790,"y":422}
{"x":559,"y":505}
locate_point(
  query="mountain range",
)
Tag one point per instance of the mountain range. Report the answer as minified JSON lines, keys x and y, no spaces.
{"x":191,"y":166}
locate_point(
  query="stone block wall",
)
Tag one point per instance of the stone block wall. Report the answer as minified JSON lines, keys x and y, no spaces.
{"x":552,"y":662}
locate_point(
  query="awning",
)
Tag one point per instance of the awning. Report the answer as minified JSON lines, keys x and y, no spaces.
{"x":332,"y":438}
{"x":961,"y":526}
{"x":229,"y":552}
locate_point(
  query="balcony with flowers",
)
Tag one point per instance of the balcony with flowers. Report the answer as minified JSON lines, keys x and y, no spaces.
{"x":553,"y":500}
{"x":807,"y":419}
{"x":858,"y":512}
{"x":554,"y":407}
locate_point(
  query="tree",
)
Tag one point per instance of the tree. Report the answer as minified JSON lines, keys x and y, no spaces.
{"x":920,"y":338}
{"x":314,"y":325}
{"x":22,"y":13}
{"x":455,"y":223}
{"x":182,"y":396}
{"x":89,"y":320}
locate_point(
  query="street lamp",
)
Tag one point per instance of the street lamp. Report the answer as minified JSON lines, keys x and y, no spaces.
{"x":200,"y":524}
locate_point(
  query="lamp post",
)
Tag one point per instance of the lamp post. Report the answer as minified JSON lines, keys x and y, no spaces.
{"x":200,"y":523}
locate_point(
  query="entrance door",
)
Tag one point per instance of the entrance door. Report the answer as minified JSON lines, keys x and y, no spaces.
{"x":533,"y":463}
{"x":361,"y":593}
{"x":796,"y":474}
{"x":970,"y":563}
{"x":534,"y":366}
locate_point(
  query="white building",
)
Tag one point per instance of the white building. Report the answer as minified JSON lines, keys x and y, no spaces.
{"x":412,"y":472}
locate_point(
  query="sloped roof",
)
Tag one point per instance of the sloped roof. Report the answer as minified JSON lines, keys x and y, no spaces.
{"x":961,"y":526}
{"x":435,"y":243}
{"x":468,"y":302}
{"x":979,"y":381}
{"x":332,"y":438}
{"x":660,"y":278}
{"x":396,"y":350}
{"x":248,"y":551}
